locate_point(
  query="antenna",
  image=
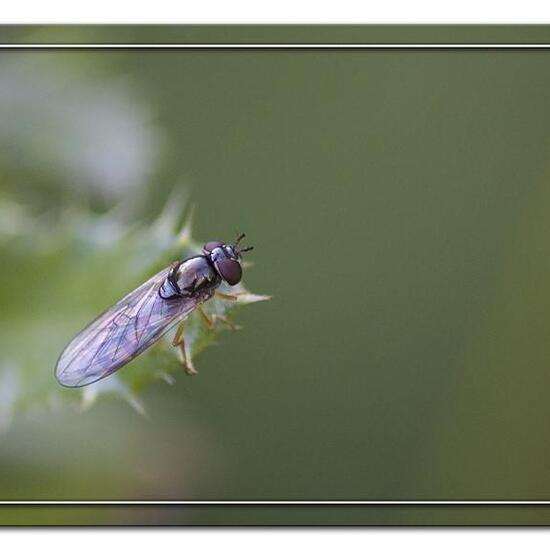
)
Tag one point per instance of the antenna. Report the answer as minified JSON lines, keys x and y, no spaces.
{"x":239,"y":239}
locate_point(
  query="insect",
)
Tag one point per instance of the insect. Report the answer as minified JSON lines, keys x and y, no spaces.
{"x":137,"y":321}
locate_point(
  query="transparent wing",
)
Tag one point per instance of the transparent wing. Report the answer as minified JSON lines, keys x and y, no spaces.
{"x":122,"y":332}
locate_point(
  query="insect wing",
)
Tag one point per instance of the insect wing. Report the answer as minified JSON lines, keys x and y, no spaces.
{"x":122,"y":332}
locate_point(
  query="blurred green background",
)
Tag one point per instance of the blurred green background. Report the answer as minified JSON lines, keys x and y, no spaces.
{"x":399,"y":203}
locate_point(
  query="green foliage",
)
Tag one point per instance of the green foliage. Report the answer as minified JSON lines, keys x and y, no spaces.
{"x":58,"y":275}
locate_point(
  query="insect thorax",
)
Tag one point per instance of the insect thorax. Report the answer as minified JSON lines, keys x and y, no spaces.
{"x":190,"y":276}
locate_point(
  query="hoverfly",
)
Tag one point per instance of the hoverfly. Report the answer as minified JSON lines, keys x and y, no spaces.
{"x":137,"y":321}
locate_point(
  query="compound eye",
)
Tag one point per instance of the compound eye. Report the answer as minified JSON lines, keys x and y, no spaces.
{"x":230,"y":270}
{"x":209,"y":246}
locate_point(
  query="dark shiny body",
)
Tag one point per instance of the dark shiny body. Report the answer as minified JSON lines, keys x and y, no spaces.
{"x":187,"y":277}
{"x":203,"y":272}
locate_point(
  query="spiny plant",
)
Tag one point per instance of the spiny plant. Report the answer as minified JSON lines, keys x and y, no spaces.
{"x":59,"y":274}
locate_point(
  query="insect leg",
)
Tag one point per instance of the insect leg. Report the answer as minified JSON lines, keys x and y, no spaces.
{"x":205,"y":319}
{"x":185,"y":356}
{"x":210,"y":322}
{"x":178,"y":337}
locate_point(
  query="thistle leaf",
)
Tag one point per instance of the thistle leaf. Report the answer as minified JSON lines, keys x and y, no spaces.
{"x":61,"y":275}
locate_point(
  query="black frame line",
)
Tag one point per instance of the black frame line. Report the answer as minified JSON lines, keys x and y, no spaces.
{"x":276,"y":46}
